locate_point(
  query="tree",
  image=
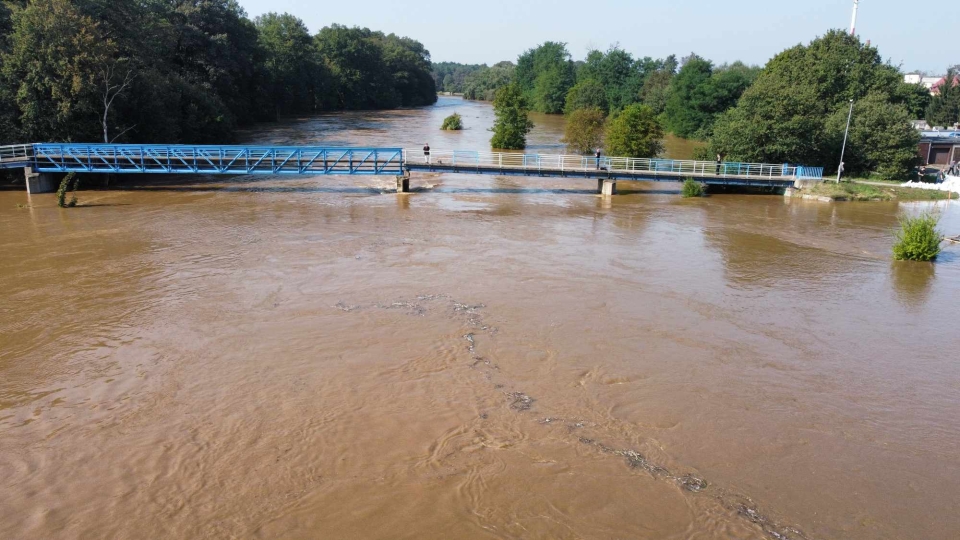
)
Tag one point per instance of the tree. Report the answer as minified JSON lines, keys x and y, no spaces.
{"x":687,"y":109}
{"x":512,"y":123}
{"x":115,"y":77}
{"x":944,"y":108}
{"x":656,"y":86}
{"x":783,"y":117}
{"x":635,"y":132}
{"x":584,"y":131}
{"x":586,"y":94}
{"x":545,"y":74}
{"x":881,"y":137}
{"x":484,"y":83}
{"x":290,"y":61}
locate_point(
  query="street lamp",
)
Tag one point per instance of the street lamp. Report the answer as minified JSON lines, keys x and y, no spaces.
{"x":844,"y":147}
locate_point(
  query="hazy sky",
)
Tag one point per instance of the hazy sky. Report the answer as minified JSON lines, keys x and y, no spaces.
{"x":489,"y":31}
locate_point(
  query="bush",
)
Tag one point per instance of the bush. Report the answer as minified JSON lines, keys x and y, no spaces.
{"x":692,"y":188}
{"x":452,"y":123}
{"x":918,"y":238}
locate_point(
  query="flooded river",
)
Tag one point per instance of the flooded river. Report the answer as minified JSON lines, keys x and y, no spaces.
{"x":483,"y":358}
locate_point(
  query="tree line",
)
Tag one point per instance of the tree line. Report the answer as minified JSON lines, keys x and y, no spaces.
{"x":187,"y":71}
{"x":792,"y":110}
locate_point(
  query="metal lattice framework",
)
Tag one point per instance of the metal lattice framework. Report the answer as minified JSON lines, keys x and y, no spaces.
{"x":182,"y":159}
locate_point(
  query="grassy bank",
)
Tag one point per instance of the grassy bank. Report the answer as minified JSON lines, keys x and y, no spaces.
{"x":862,"y":192}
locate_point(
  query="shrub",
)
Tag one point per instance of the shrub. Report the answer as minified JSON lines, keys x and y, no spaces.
{"x":918,"y":238}
{"x":692,"y":188}
{"x":454,"y":122}
{"x":65,"y":186}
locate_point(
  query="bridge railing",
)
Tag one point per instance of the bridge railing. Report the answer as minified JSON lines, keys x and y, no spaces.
{"x":554,"y":162}
{"x":182,"y":159}
{"x":16,"y":155}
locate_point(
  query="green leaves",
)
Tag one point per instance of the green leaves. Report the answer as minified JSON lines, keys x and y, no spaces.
{"x":792,"y":113}
{"x":512,"y":123}
{"x":635,"y":132}
{"x":918,"y":238}
{"x":454,"y":122}
{"x":584,"y":131}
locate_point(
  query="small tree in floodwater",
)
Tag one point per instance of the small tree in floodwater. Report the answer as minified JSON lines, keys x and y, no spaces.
{"x":454,"y":122}
{"x":918,"y":238}
{"x":512,"y":124}
{"x":70,"y":182}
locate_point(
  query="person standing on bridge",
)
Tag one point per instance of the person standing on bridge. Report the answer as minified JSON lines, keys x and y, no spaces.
{"x":426,"y":153}
{"x":598,"y":159}
{"x":719,"y":161}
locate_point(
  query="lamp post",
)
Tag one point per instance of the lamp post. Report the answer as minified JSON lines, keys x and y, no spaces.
{"x":843,"y":148}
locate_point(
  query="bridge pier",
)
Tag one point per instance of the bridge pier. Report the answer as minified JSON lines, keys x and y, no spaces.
{"x":607,"y":187}
{"x":403,"y":183}
{"x":38,"y":182}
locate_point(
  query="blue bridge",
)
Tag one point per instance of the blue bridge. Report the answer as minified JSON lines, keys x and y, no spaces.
{"x":43,"y":159}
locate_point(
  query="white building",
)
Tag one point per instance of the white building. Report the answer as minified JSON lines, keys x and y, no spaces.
{"x":927,"y":82}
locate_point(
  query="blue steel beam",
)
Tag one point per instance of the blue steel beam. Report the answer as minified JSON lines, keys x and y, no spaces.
{"x":208,"y":159}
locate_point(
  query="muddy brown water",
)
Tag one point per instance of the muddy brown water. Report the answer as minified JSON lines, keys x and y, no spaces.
{"x":483,"y":358}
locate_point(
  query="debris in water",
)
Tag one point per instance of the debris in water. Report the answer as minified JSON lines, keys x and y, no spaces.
{"x":520,"y":401}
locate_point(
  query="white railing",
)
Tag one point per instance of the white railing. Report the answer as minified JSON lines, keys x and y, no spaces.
{"x":16,"y":152}
{"x":554,"y":162}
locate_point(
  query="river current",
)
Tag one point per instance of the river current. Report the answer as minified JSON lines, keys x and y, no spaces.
{"x":486,"y":357}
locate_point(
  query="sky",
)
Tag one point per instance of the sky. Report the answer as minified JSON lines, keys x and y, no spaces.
{"x":753,"y":31}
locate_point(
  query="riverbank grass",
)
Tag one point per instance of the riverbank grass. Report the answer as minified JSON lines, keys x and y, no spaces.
{"x":918,"y":238}
{"x":847,"y":191}
{"x":454,"y":122}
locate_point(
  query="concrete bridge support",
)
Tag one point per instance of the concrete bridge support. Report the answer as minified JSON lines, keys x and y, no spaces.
{"x":607,"y":187}
{"x":403,"y":183}
{"x":38,"y":182}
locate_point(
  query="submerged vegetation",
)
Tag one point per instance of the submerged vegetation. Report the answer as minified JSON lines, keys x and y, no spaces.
{"x":918,"y":238}
{"x":454,"y":122}
{"x":70,"y":183}
{"x":692,"y":188}
{"x":512,"y":119}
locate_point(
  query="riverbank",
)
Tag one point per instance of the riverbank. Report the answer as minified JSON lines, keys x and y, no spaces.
{"x":832,"y":192}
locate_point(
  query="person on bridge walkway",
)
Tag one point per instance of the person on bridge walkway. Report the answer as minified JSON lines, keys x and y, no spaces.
{"x":598,"y":159}
{"x":719,"y":161}
{"x":426,"y":153}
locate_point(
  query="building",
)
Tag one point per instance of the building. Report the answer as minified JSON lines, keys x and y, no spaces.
{"x":930,"y":83}
{"x":939,"y":147}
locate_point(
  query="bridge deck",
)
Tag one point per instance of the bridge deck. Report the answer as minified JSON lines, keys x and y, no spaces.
{"x":314,"y":161}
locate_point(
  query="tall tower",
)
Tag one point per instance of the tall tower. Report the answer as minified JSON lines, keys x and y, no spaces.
{"x":853,"y":23}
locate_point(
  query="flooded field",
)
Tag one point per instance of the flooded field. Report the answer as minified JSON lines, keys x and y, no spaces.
{"x":483,"y":358}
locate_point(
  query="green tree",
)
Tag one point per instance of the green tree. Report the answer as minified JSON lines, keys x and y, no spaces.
{"x":635,"y":132}
{"x":586,"y":94}
{"x":687,"y":108}
{"x":512,"y":122}
{"x":484,"y":83}
{"x":656,"y":86}
{"x":881,"y":137}
{"x":944,"y":108}
{"x":290,"y":60}
{"x":545,"y":74}
{"x":54,"y":62}
{"x":783,"y":117}
{"x":585,"y":130}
